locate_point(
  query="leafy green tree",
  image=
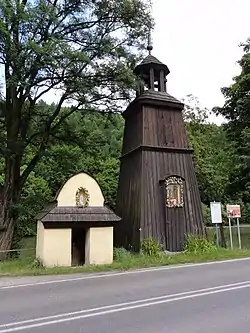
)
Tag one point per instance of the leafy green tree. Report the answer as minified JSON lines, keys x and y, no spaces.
{"x":97,"y":154}
{"x":193,"y":112}
{"x":212,"y":152}
{"x":35,"y":193}
{"x":213,"y":160}
{"x":82,"y":50}
{"x":237,"y":97}
{"x":237,"y":110}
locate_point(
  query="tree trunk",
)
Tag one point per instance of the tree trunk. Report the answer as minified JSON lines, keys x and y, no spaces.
{"x":6,"y":237}
{"x":222,"y":236}
{"x":10,"y":196}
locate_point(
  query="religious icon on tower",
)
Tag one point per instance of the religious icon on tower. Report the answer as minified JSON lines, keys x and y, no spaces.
{"x":174,"y":192}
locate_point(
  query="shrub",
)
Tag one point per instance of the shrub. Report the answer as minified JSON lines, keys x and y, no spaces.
{"x":198,"y":245}
{"x":151,"y":248}
{"x":37,"y":263}
{"x":206,"y":215}
{"x":121,"y":253}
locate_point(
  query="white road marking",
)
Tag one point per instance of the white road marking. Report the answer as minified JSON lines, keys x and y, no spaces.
{"x":120,"y":307}
{"x":124,"y":304}
{"x":138,"y":271}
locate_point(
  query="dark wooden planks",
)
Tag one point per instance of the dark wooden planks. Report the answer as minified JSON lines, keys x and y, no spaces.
{"x":177,"y":222}
{"x":141,"y":198}
{"x":127,"y":233}
{"x":132,"y":132}
{"x":163,"y":128}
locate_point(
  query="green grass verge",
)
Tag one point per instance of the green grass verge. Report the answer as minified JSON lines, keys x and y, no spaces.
{"x":245,"y":236}
{"x":26,"y":266}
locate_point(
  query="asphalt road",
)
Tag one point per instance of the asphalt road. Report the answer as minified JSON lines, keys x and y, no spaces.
{"x":200,"y":298}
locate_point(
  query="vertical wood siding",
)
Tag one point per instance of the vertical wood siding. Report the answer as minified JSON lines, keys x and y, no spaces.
{"x":141,"y":197}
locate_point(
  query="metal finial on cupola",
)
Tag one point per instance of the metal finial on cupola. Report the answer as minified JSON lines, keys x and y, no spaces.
{"x":151,"y":71}
{"x":150,"y":43}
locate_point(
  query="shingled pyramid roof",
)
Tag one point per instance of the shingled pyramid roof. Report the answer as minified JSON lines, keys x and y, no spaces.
{"x":52,"y":213}
{"x":151,"y":61}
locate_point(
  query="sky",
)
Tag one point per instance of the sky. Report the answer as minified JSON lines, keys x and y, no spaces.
{"x":199,"y":41}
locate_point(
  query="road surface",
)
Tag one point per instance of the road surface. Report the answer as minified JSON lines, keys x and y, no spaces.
{"x":200,"y":298}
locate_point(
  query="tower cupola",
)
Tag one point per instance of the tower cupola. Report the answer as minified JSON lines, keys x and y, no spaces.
{"x":152,"y":73}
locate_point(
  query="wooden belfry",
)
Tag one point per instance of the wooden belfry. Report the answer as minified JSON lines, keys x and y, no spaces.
{"x":158,"y":195}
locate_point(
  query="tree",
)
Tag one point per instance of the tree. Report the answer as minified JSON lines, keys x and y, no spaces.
{"x":212,"y":151}
{"x":237,"y":110}
{"x":237,"y":96}
{"x":97,"y":154}
{"x":81,"y":50}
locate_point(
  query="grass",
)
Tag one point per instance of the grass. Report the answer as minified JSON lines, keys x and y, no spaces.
{"x":245,"y":236}
{"x":26,"y":266}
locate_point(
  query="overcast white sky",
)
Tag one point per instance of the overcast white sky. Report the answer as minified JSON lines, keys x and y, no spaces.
{"x":198,"y":40}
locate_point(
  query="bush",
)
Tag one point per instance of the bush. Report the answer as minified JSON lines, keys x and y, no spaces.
{"x":206,"y":215}
{"x":151,"y":248}
{"x":121,"y":253}
{"x":198,"y":245}
{"x":37,"y":263}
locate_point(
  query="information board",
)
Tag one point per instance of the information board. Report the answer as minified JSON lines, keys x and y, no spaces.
{"x":216,"y":215}
{"x":233,"y":211}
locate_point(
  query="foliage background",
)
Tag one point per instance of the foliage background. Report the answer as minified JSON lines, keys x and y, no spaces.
{"x":97,"y":153}
{"x":43,"y":145}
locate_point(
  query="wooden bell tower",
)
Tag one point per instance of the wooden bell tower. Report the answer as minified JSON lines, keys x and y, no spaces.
{"x":158,"y":195}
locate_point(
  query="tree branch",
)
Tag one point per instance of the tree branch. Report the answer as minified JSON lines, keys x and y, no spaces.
{"x":32,"y":164}
{"x":44,"y":143}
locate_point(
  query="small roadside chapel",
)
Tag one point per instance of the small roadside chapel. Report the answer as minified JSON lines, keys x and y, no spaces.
{"x":76,"y":228}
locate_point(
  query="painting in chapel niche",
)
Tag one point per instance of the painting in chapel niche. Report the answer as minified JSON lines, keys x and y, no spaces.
{"x":82,"y":197}
{"x":174,"y":192}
